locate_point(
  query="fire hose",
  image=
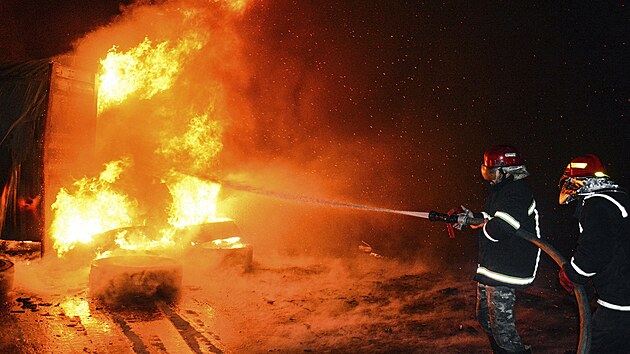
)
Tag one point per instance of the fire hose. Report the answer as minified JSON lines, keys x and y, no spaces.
{"x":584,"y":343}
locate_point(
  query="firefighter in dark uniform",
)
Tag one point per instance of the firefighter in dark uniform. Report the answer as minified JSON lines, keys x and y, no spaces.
{"x":603,"y":250}
{"x":506,"y":261}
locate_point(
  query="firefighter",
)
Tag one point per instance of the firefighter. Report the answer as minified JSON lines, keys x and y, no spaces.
{"x":506,"y":261}
{"x":603,"y":250}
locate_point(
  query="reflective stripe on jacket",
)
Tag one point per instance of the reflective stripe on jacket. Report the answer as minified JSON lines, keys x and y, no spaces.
{"x":603,"y":251}
{"x":504,"y":258}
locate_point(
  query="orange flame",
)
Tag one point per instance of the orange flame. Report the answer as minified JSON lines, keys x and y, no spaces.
{"x":237,"y":6}
{"x":199,"y":146}
{"x":194,"y":201}
{"x":94,"y":207}
{"x":143,"y":70}
{"x":141,"y":241}
{"x":227,"y":243}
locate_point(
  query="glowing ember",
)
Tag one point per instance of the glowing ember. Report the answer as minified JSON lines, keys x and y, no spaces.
{"x":94,"y":207}
{"x":232,"y":242}
{"x":237,"y":5}
{"x":104,"y":254}
{"x":143,"y":70}
{"x":140,"y":241}
{"x":194,"y":201}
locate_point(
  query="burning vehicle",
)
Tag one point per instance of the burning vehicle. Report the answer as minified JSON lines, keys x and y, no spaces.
{"x":58,"y":104}
{"x":113,"y":156}
{"x":72,"y":199}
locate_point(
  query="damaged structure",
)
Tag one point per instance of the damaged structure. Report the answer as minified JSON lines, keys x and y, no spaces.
{"x":48,"y":124}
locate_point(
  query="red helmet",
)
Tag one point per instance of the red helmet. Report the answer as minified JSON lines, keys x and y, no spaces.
{"x":585,"y":166}
{"x":502,"y":156}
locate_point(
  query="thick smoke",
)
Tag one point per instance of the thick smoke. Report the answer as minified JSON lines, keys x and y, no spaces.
{"x":296,"y":119}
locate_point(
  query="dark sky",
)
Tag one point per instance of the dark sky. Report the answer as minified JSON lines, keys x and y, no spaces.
{"x":418,"y":89}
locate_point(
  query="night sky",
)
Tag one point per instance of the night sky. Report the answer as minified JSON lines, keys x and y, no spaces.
{"x":399,"y":99}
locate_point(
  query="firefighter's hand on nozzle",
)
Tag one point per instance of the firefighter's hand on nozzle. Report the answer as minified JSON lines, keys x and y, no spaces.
{"x":566,"y":283}
{"x":463,"y":218}
{"x":467,"y":212}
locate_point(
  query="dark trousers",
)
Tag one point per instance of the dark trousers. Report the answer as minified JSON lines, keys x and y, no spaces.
{"x":611,"y":331}
{"x":495,"y":313}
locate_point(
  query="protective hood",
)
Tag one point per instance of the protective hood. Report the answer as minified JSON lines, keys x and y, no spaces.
{"x":498,"y":175}
{"x":576,"y":187}
{"x":519,"y":172}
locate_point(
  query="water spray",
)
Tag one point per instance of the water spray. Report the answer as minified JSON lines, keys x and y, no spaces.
{"x":450,"y":218}
{"x":317,"y":201}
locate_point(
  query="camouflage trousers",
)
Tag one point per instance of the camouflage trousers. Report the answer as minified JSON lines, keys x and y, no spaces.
{"x":495,"y":313}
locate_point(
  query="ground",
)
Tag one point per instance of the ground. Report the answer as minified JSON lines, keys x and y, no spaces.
{"x":283,"y":304}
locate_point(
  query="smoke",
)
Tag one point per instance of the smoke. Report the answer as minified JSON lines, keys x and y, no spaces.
{"x":50,"y":275}
{"x":292,"y":123}
{"x":301,"y":298}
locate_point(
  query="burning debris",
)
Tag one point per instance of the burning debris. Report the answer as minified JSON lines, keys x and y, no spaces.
{"x":93,"y":207}
{"x":224,"y":253}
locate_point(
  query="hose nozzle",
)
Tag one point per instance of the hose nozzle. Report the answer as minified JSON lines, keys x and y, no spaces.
{"x":441,"y":217}
{"x":454,"y":218}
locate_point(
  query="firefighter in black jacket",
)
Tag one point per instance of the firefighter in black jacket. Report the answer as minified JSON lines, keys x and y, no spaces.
{"x":603,"y":250}
{"x":506,"y":261}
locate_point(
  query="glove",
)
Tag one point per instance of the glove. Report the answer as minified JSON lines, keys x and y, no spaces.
{"x":458,"y":226}
{"x":461,"y":217}
{"x":464,"y":217}
{"x":566,"y":283}
{"x":467,"y":212}
{"x":470,"y":214}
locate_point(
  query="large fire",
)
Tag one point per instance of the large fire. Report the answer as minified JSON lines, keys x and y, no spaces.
{"x":143,"y":70}
{"x":194,"y":201}
{"x":150,"y":70}
{"x":92,"y":208}
{"x":200,"y":144}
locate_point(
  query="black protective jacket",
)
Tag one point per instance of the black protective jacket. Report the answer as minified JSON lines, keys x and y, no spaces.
{"x":603,"y":251}
{"x":505,"y":259}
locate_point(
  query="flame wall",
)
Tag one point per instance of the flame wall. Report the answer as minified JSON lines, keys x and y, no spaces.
{"x":269,"y":112}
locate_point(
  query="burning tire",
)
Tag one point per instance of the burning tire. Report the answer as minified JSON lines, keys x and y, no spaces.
{"x":6,"y":277}
{"x":135,"y":278}
{"x":216,"y":257}
{"x":219,"y":245}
